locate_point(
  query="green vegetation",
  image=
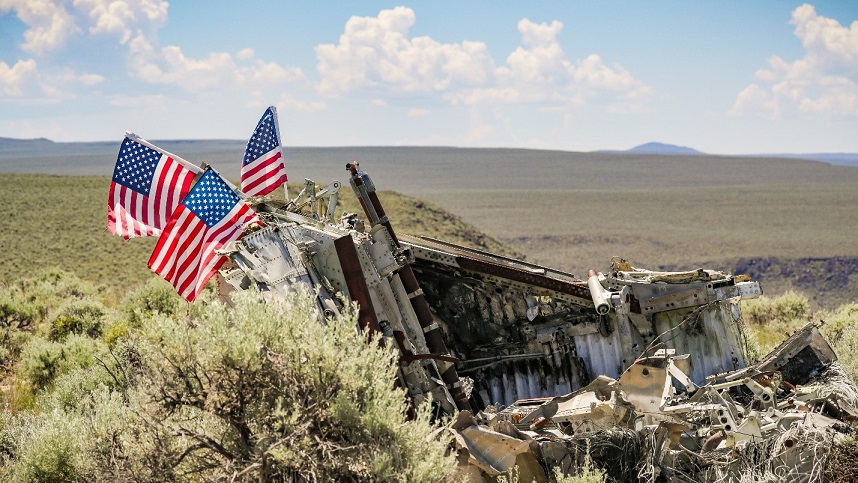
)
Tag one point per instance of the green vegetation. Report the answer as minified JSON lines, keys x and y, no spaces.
{"x":418,"y":217}
{"x":772,"y":319}
{"x":261,"y":392}
{"x":61,"y":221}
{"x":571,"y":211}
{"x":112,"y":377}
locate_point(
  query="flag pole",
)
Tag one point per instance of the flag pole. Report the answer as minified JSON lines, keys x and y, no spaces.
{"x":186,"y":164}
{"x":280,"y":147}
{"x":208,"y":167}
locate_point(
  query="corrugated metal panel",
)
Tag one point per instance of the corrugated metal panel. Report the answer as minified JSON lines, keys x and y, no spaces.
{"x":511,"y":381}
{"x":713,"y":339}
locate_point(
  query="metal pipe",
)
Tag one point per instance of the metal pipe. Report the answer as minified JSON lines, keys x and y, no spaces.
{"x":365,"y":191}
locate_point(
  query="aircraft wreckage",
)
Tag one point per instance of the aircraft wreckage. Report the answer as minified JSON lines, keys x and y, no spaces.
{"x":644,"y":372}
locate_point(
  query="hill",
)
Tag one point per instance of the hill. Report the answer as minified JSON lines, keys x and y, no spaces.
{"x":661,"y":148}
{"x":839,"y":159}
{"x":571,"y":211}
{"x":60,"y":221}
{"x":9,"y":144}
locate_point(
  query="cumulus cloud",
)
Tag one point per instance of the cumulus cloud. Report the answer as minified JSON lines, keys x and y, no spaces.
{"x":540,"y":71}
{"x":13,"y":79}
{"x":377,"y":54}
{"x":824,"y":81}
{"x":48,"y":22}
{"x":217,"y":71}
{"x":124,"y":18}
{"x":290,"y":103}
{"x":24,"y":80}
{"x":134,"y":24}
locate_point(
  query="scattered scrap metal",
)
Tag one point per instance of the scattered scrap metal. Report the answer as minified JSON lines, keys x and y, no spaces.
{"x":651,"y":366}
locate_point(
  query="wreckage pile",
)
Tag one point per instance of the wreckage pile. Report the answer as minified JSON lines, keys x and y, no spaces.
{"x":651,"y":367}
{"x":655,"y":424}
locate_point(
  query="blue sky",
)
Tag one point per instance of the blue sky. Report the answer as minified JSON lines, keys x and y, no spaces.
{"x":723,"y":77}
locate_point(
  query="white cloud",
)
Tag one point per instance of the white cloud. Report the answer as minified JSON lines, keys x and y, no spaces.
{"x":134,"y":24}
{"x":375,"y":54}
{"x":123,"y":18}
{"x":245,"y":54}
{"x":219,"y":71}
{"x":24,"y":81}
{"x":290,"y":103}
{"x":418,"y":112}
{"x":823,"y":82}
{"x":14,"y":79}
{"x":540,"y":71}
{"x":48,"y":22}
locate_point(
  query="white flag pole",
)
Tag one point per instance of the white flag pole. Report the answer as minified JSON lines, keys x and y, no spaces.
{"x":137,"y":139}
{"x":280,"y":147}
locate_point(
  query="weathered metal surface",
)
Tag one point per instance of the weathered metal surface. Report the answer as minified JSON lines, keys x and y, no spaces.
{"x":365,"y":192}
{"x":523,"y":334}
{"x":711,"y":433}
{"x":519,"y":340}
{"x":356,"y":283}
{"x":799,"y":358}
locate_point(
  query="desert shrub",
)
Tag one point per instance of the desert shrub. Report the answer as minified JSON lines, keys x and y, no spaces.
{"x":13,"y":428}
{"x":52,"y":288}
{"x":48,"y":447}
{"x":43,"y":360}
{"x":116,"y":329}
{"x":587,"y":474}
{"x":841,"y":466}
{"x":788,"y":307}
{"x":17,"y":321}
{"x":281,"y":394}
{"x":770,"y":320}
{"x":14,"y":312}
{"x":837,"y":322}
{"x":83,"y":317}
{"x":73,"y":387}
{"x":264,"y":391}
{"x":155,"y":297}
{"x":846,"y":348}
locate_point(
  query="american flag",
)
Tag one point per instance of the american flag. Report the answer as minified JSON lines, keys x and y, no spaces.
{"x":147,"y":185}
{"x":209,"y":217}
{"x":262,"y":169}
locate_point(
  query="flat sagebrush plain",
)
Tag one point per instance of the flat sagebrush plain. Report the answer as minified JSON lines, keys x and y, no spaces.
{"x":571,"y":211}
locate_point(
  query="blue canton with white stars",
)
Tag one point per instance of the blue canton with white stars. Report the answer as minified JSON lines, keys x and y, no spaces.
{"x":211,"y":199}
{"x":264,"y":139}
{"x":135,"y":166}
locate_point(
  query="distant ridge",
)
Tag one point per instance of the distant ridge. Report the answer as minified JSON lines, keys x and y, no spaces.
{"x":99,"y":157}
{"x":837,"y":159}
{"x":662,"y":148}
{"x":14,"y":143}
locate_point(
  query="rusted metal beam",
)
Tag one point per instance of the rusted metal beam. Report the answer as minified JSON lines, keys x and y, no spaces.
{"x":356,"y":283}
{"x":513,"y":273}
{"x":365,"y":191}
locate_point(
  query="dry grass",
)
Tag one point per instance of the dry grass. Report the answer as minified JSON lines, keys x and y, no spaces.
{"x":581,"y":229}
{"x":60,"y":221}
{"x":572,"y":211}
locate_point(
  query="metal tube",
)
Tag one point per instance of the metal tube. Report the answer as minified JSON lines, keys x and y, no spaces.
{"x":365,"y":191}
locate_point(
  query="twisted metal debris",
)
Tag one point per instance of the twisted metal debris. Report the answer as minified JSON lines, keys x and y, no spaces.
{"x":650,"y":367}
